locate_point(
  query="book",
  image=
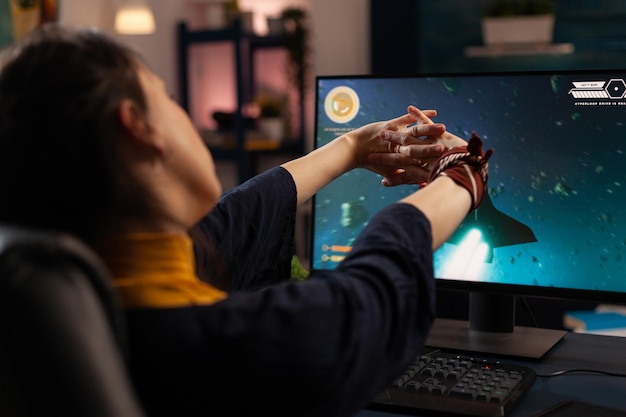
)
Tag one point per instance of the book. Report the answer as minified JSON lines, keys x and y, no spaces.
{"x":596,"y":321}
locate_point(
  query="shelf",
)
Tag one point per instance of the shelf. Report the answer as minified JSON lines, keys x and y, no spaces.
{"x":224,"y":144}
{"x":239,"y":149}
{"x":519,"y":50}
{"x":204,"y":36}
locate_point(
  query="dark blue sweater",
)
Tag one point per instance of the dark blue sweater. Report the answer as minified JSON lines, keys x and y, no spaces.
{"x":323,"y":347}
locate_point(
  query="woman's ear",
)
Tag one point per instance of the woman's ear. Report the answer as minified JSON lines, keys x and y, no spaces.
{"x":135,"y":124}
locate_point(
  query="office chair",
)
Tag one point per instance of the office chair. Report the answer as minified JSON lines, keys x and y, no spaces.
{"x":61,"y":333}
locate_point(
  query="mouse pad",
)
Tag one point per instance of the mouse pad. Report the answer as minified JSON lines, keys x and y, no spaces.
{"x":580,"y":409}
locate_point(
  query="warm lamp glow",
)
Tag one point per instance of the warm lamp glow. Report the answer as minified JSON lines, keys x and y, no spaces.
{"x":134,"y":18}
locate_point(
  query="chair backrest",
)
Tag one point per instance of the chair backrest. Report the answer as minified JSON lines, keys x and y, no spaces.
{"x":61,"y":331}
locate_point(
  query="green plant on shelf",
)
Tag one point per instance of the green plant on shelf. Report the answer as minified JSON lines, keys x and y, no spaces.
{"x":270,"y":106}
{"x":297,"y":31}
{"x":232,"y":6}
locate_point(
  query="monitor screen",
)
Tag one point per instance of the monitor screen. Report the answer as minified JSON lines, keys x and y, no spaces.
{"x":552,"y":223}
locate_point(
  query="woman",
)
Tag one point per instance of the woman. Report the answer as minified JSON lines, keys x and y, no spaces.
{"x":92,"y":144}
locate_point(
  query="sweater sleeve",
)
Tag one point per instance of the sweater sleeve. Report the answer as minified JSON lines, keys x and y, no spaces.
{"x":252,"y":229}
{"x":328,"y":345}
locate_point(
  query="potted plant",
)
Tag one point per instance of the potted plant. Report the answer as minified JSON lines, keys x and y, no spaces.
{"x":518,"y":22}
{"x":296,"y":29}
{"x":275,"y":25}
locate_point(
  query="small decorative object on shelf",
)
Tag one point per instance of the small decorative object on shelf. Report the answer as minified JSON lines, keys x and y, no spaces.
{"x":271,"y":116}
{"x":275,"y":26}
{"x":234,"y":12}
{"x":214,"y":12}
{"x":518,"y":22}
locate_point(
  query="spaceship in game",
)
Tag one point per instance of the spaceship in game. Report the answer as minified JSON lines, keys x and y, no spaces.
{"x":497,"y":228}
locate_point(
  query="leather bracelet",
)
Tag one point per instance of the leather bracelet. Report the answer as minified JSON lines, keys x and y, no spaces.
{"x":467,"y":166}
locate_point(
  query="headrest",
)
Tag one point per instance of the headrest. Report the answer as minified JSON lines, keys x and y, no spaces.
{"x":21,"y":247}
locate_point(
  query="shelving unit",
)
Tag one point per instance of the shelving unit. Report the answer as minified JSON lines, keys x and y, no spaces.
{"x":245,"y":46}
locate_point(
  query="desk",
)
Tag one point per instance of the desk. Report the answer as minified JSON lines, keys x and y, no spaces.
{"x":575,"y":351}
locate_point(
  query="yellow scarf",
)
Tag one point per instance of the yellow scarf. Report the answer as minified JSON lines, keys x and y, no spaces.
{"x":156,"y":270}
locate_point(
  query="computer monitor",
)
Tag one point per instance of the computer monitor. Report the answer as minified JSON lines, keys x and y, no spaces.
{"x":553,"y":223}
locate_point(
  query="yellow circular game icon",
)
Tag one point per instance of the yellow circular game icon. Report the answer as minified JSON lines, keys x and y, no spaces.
{"x":341,"y":104}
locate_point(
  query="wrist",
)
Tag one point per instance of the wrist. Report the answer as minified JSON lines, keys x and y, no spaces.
{"x":337,"y":156}
{"x":349,"y":144}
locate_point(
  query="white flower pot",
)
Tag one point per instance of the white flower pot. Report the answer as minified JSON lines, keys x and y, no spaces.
{"x":518,"y":30}
{"x":272,"y":127}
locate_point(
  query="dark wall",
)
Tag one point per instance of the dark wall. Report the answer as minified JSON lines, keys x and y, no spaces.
{"x":394,"y":35}
{"x":430,"y":36}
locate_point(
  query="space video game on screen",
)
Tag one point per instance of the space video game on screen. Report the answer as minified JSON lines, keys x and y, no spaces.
{"x":554,"y":211}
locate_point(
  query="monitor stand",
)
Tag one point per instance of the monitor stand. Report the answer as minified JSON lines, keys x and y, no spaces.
{"x":491,"y":330}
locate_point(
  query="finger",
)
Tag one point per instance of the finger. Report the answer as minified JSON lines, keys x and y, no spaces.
{"x":431,"y":114}
{"x":410,"y":118}
{"x":391,"y":159}
{"x":392,"y":136}
{"x":413,"y":135}
{"x":428,"y":129}
{"x":402,"y":122}
{"x":419,"y":115}
{"x":409,"y":157}
{"x":421,"y":151}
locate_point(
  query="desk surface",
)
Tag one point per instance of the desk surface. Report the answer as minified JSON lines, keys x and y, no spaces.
{"x":574,"y":351}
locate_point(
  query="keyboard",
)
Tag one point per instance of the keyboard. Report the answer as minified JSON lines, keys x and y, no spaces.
{"x":445,"y":383}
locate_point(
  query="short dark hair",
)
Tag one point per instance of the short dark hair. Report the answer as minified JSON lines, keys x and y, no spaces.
{"x":60,"y":165}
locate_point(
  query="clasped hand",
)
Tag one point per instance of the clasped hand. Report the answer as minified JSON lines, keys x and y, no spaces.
{"x":405,"y":148}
